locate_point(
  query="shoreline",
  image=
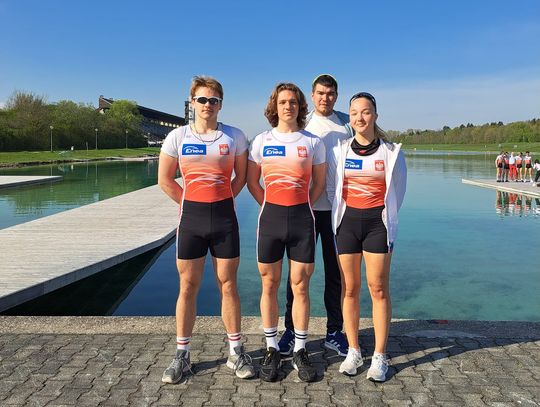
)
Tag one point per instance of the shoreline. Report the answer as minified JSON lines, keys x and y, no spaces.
{"x":252,"y":325}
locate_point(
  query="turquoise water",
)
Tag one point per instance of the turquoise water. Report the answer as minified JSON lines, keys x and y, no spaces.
{"x":463,"y":252}
{"x":82,"y":184}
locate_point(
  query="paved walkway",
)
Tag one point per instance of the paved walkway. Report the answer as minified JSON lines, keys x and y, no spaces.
{"x":525,"y":188}
{"x":51,"y":252}
{"x":10,"y":181}
{"x":119,"y":361}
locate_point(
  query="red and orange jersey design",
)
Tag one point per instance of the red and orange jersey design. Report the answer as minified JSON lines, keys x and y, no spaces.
{"x":286,"y":164}
{"x":206,"y":166}
{"x":364,"y":184}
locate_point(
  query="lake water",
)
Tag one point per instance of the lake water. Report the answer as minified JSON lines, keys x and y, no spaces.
{"x":462,"y":252}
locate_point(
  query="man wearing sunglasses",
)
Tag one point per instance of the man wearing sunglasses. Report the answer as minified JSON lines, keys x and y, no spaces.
{"x":331,"y":126}
{"x":206,"y":152}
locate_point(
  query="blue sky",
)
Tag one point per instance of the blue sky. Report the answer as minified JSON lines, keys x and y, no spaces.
{"x":428,"y":63}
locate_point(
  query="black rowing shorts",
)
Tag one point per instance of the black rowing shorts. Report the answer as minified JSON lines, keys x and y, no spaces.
{"x":362,"y":230}
{"x":286,"y":227}
{"x":206,"y":226}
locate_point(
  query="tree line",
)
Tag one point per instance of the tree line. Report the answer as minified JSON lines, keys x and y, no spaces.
{"x":489,"y":133}
{"x":28,"y":123}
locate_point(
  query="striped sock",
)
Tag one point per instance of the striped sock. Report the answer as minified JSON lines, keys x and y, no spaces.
{"x":182,"y":342}
{"x":234,"y":341}
{"x":271,"y":338}
{"x":299,"y":339}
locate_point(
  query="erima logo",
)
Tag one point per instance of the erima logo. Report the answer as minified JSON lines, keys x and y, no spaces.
{"x":353,"y":164}
{"x":194,"y":149}
{"x":273,"y":151}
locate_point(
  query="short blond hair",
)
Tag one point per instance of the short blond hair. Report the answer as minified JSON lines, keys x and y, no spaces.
{"x":205,"y":82}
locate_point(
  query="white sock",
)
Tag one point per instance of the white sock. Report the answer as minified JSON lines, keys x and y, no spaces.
{"x":182,"y":342}
{"x":234,"y":341}
{"x":299,"y":339}
{"x":271,"y":338}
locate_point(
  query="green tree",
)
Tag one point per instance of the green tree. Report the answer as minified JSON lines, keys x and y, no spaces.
{"x":29,"y":120}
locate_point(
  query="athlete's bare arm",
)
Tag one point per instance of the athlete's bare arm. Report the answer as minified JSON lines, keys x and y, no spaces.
{"x":253,"y":184}
{"x":240,"y":173}
{"x":318,"y":182}
{"x":166,"y":177}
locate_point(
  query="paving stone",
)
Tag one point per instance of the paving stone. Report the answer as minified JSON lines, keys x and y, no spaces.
{"x":244,"y":402}
{"x":443,"y":393}
{"x":393,"y":392}
{"x":69,"y":396}
{"x":270,"y":397}
{"x":113,"y":370}
{"x":414,"y":385}
{"x":119,"y":397}
{"x":90,"y":399}
{"x":294,"y":391}
{"x":319,"y":398}
{"x":66,"y":373}
{"x":472,"y":399}
{"x":18,"y":396}
{"x":422,"y":399}
{"x":370,"y":399}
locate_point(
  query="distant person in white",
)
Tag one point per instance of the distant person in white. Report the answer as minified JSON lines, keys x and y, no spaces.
{"x":331,"y":126}
{"x":536,"y":167}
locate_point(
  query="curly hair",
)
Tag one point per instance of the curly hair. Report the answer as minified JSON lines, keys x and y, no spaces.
{"x":205,"y":82}
{"x":271,"y":108}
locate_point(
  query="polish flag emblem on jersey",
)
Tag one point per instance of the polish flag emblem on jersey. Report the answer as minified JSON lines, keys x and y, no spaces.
{"x":379,"y":165}
{"x":302,"y":151}
{"x":223,"y":149}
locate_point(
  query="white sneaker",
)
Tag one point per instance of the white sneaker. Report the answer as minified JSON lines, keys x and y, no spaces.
{"x":378,"y":368}
{"x":352,"y":362}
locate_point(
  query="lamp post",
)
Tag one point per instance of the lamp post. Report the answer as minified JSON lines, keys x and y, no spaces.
{"x":127,"y":131}
{"x":96,"y":130}
{"x":51,"y":127}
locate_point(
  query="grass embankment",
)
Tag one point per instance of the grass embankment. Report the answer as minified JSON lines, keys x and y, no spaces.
{"x":515,"y":147}
{"x":45,"y":157}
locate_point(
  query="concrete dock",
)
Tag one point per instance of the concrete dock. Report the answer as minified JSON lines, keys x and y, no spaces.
{"x":118,"y":361}
{"x":521,"y":188}
{"x":11,"y":181}
{"x":48,"y":253}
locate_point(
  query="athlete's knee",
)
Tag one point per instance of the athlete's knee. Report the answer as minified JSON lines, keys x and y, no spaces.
{"x":189,"y":288}
{"x":351,"y":291}
{"x":378,"y":290}
{"x":270,"y":286}
{"x":229,"y":288}
{"x":300,"y":288}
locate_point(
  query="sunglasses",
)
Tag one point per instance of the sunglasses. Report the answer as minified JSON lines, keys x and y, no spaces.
{"x":204,"y":100}
{"x":364,"y":95}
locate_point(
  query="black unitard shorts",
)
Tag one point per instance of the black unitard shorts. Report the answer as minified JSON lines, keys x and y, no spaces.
{"x":286,"y":227}
{"x":206,"y":226}
{"x":362,"y":230}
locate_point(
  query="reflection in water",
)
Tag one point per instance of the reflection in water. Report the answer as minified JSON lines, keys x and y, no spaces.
{"x":511,"y":204}
{"x":100,"y":294}
{"x":445,"y":265}
{"x":82,"y":184}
